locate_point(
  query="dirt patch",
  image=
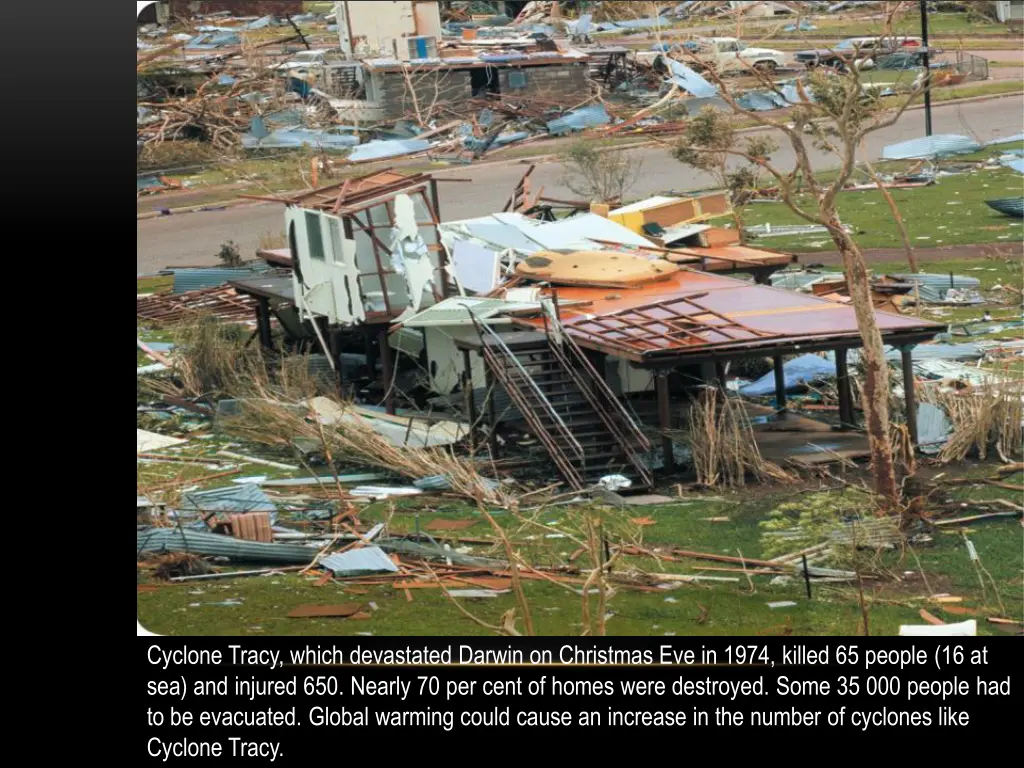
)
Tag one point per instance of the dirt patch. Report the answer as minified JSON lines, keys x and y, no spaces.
{"x":914,"y":585}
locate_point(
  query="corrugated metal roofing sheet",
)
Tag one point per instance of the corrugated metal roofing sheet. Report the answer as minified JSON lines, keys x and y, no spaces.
{"x":376,"y":150}
{"x":689,"y":80}
{"x":1007,"y":140}
{"x":933,"y":427}
{"x":934,"y":287}
{"x":245,"y":497}
{"x":298,"y":137}
{"x":702,"y":311}
{"x":1011,"y":206}
{"x":193,"y":279}
{"x":577,"y":120}
{"x":216,"y":545}
{"x":363,"y":560}
{"x":931,"y":147}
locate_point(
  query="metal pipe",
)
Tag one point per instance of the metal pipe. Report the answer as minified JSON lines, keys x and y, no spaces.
{"x":780,"y":387}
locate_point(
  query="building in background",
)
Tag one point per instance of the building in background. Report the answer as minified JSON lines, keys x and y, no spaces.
{"x":186,"y":8}
{"x":384,"y":28}
{"x":1010,"y":12}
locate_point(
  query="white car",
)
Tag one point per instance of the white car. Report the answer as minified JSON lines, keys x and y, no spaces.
{"x":728,"y":54}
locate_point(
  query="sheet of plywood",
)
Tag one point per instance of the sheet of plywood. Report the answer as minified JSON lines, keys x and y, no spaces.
{"x":595,"y":268}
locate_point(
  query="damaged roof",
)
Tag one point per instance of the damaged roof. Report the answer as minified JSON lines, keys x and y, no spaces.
{"x":697,"y":314}
{"x":354,"y":193}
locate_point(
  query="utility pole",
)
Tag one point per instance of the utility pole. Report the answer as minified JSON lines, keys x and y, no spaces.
{"x":925,"y":60}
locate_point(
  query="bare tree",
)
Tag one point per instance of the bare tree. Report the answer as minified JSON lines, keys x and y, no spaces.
{"x":833,"y":113}
{"x":599,"y":171}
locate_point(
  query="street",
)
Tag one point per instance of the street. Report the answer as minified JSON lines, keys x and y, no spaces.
{"x":193,"y":239}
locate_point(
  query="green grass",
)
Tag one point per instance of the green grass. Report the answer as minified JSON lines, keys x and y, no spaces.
{"x":907,"y":24}
{"x":708,"y":608}
{"x":970,"y":91}
{"x":950,"y":44}
{"x":950,"y":212}
{"x":154,"y":284}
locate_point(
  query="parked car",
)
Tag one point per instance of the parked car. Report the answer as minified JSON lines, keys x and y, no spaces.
{"x":858,"y":51}
{"x":728,"y":54}
{"x":724,"y":54}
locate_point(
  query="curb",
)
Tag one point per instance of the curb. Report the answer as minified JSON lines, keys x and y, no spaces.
{"x":193,"y":208}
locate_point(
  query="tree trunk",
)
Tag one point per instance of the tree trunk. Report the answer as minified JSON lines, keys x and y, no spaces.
{"x":875,"y":400}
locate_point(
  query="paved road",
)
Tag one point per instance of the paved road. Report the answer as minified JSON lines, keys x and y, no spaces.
{"x":194,"y":238}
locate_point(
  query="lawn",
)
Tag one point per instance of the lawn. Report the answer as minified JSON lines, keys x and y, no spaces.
{"x":946,"y":43}
{"x":939,"y":24}
{"x":725,"y":524}
{"x":158,"y":284}
{"x":951,"y":211}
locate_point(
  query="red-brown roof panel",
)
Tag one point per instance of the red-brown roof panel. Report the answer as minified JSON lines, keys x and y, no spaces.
{"x":692,"y":311}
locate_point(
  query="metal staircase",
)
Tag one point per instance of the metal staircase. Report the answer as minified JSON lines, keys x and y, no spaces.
{"x":567,"y":405}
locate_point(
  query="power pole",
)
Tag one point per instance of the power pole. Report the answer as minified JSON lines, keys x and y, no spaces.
{"x":925,"y":60}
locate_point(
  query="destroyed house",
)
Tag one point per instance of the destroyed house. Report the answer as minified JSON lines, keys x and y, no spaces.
{"x":581,"y":331}
{"x":366,"y":250}
{"x":402,"y":87}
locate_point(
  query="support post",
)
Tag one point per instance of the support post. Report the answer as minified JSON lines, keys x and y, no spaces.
{"x":263,"y":321}
{"x":442,"y":254}
{"x":906,"y":355}
{"x":333,"y":345}
{"x":780,"y":387}
{"x":386,"y":369}
{"x":664,"y":419}
{"x":720,"y":375}
{"x":467,"y":389}
{"x":845,"y":394}
{"x":492,"y":414}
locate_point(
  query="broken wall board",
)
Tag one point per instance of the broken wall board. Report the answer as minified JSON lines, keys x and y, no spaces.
{"x":152,"y":441}
{"x":476,"y":268}
{"x":670,"y":212}
{"x":402,"y":431}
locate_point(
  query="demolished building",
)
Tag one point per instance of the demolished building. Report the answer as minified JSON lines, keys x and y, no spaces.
{"x":584,"y":331}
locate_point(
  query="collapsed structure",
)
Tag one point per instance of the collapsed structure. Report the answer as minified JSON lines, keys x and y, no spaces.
{"x":591,"y":331}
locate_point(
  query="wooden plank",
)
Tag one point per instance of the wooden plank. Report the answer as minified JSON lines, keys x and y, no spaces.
{"x":309,"y":611}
